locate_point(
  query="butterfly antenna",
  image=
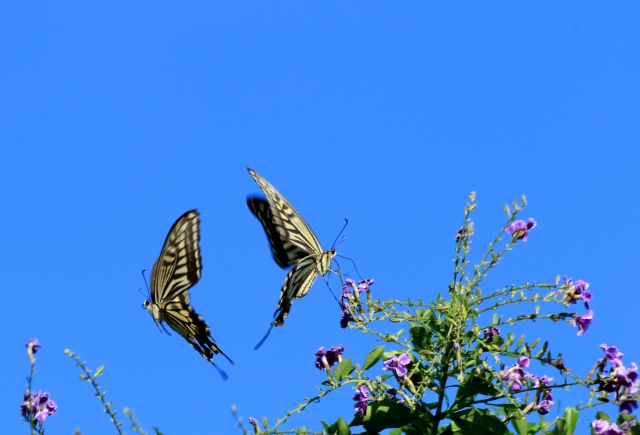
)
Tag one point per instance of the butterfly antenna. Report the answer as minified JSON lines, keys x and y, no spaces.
{"x":263,"y":338}
{"x":352,"y":262}
{"x":145,"y":282}
{"x":346,"y":222}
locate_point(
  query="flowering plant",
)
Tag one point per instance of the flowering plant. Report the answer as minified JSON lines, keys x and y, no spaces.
{"x":454,"y":367}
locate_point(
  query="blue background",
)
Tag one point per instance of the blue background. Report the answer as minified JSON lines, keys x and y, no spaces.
{"x":117,"y":117}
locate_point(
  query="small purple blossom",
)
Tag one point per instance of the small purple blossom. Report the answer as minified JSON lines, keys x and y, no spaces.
{"x":347,"y":286}
{"x":628,"y":406}
{"x":520,"y":229}
{"x":603,"y":427}
{"x":515,"y":375}
{"x":583,"y":322}
{"x":490,"y":332}
{"x":611,"y":353}
{"x":346,"y":315}
{"x":363,"y":286}
{"x":398,"y":364}
{"x":38,"y":406}
{"x":327,"y":359}
{"x":361,"y":400}
{"x":577,"y":291}
{"x":33,"y":345}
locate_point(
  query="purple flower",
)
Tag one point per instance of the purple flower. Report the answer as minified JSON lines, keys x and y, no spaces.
{"x":577,"y":291}
{"x":347,"y":286}
{"x":520,"y":229}
{"x":490,"y":332}
{"x":33,"y":345}
{"x":363,"y":285}
{"x":583,"y":322}
{"x":603,"y":427}
{"x":628,"y":406}
{"x":346,"y":315}
{"x":334,"y":355}
{"x":326,"y":360}
{"x":38,"y":406}
{"x":361,"y":399}
{"x":398,"y":364}
{"x":515,"y":375}
{"x":612,"y":354}
{"x":543,"y":408}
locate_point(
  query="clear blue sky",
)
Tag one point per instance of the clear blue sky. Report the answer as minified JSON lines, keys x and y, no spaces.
{"x":117,"y":117}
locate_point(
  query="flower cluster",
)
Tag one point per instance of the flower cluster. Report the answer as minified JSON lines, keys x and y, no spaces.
{"x":398,"y":364}
{"x":347,"y":297}
{"x":361,"y":399}
{"x":620,"y":380}
{"x":326,"y":360}
{"x":37,"y":406}
{"x":519,"y":230}
{"x":516,"y":376}
{"x":603,"y":427}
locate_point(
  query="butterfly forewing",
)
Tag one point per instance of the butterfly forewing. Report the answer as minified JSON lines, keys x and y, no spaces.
{"x":287,"y":221}
{"x":284,"y":252}
{"x":179,"y":266}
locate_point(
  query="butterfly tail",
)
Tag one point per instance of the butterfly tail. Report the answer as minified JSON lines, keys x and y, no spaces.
{"x":264,"y":338}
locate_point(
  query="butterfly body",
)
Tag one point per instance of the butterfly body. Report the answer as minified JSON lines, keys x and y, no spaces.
{"x":292,"y":244}
{"x":179,"y":268}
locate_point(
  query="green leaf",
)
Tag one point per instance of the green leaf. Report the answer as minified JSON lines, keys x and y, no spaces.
{"x":470,"y":388}
{"x":98,"y":371}
{"x":344,"y":369}
{"x":157,"y":431}
{"x":265,"y":423}
{"x":571,"y":418}
{"x":385,"y":414}
{"x":374,"y":356}
{"x":397,"y":431}
{"x":340,"y":427}
{"x":521,"y":426}
{"x":478,"y":422}
{"x":603,"y":416}
{"x":420,"y":337}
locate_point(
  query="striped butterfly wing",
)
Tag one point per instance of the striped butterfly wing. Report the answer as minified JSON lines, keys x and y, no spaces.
{"x":182,"y":318}
{"x":284,"y":252}
{"x":292,"y":242}
{"x":296,"y":285}
{"x":179,"y":266}
{"x":287,"y":221}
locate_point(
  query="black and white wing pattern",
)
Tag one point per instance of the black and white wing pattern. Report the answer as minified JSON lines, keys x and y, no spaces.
{"x":292,"y":243}
{"x":179,"y":268}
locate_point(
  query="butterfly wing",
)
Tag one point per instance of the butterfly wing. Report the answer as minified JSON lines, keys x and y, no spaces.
{"x":296,"y":285}
{"x":287,"y":222}
{"x":285,"y":253}
{"x":180,"y":265}
{"x":183,"y":319}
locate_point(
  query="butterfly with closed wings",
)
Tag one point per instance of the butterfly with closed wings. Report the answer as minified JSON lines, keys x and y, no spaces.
{"x":292,"y":244}
{"x":177,"y":270}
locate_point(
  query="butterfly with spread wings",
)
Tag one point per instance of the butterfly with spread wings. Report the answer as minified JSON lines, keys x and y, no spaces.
{"x":292,"y":244}
{"x":177,"y":270}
